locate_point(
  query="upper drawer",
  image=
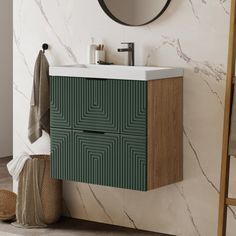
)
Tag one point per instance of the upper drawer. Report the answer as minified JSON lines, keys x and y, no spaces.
{"x":110,"y":106}
{"x":96,"y":105}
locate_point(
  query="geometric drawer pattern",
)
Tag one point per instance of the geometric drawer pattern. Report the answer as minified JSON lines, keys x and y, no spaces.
{"x":134,"y":155}
{"x":97,"y":158}
{"x":61,"y":89}
{"x":98,"y":131}
{"x":96,"y":105}
{"x":63,"y":164}
{"x":103,"y":159}
{"x":111,"y":106}
{"x":134,"y":107}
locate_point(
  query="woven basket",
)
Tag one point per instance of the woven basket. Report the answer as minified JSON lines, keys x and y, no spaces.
{"x":7,"y":205}
{"x":50,"y":195}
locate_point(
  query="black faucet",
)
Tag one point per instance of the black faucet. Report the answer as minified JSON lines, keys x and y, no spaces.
{"x":130,"y":51}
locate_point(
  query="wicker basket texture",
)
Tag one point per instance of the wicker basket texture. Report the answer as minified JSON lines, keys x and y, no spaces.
{"x":7,"y":205}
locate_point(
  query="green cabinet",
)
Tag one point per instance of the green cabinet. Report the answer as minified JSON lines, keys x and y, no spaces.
{"x":99,"y":131}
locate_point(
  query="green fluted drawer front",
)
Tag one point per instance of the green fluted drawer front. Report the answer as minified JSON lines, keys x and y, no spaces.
{"x":96,"y":105}
{"x":63,"y":159}
{"x":111,"y":160}
{"x":97,"y":157}
{"x":103,"y":159}
{"x":134,"y":107}
{"x":61,"y":102}
{"x":114,"y":106}
{"x":133,"y":152}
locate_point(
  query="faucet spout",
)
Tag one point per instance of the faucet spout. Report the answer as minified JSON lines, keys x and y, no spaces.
{"x":130,"y":51}
{"x":123,"y":49}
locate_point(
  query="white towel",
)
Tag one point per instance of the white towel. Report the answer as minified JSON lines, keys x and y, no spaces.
{"x":16,"y":165}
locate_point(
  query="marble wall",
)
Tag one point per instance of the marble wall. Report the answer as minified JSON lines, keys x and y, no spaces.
{"x":192,"y":34}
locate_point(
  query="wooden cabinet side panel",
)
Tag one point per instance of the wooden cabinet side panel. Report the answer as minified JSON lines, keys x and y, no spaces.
{"x":165,"y":132}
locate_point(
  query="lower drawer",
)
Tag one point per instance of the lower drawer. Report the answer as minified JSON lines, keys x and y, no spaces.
{"x":102,"y":159}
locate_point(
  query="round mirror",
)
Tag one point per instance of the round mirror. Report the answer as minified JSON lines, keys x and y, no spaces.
{"x":134,"y":12}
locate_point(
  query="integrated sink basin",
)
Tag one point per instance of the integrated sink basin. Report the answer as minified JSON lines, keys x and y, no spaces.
{"x":116,"y":72}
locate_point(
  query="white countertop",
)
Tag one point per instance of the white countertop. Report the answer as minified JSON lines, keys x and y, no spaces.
{"x":116,"y":72}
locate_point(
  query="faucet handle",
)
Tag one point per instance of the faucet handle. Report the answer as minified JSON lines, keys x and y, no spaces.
{"x":130,"y":44}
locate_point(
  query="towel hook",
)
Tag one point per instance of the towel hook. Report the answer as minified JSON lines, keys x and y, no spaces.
{"x":45,"y":47}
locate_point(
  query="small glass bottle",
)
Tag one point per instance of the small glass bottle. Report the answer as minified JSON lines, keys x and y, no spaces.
{"x":91,"y":52}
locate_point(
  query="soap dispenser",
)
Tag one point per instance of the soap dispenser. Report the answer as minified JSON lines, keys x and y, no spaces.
{"x":91,"y":52}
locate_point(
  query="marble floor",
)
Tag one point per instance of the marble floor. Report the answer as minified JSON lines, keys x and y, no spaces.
{"x":66,"y":227}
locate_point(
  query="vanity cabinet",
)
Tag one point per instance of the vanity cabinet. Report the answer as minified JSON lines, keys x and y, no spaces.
{"x":119,"y":133}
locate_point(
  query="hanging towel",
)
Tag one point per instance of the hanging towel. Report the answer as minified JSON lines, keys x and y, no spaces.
{"x":16,"y":165}
{"x":39,"y":118}
{"x":232,"y":136}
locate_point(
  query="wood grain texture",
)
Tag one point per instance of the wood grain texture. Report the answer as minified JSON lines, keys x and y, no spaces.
{"x":225,"y":164}
{"x":230,"y":201}
{"x":165,"y":132}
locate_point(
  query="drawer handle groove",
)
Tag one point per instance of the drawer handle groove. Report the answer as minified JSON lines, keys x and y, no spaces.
{"x":93,"y":132}
{"x":96,"y":79}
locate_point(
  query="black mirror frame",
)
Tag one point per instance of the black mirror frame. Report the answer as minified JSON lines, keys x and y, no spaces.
{"x":107,"y":11}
